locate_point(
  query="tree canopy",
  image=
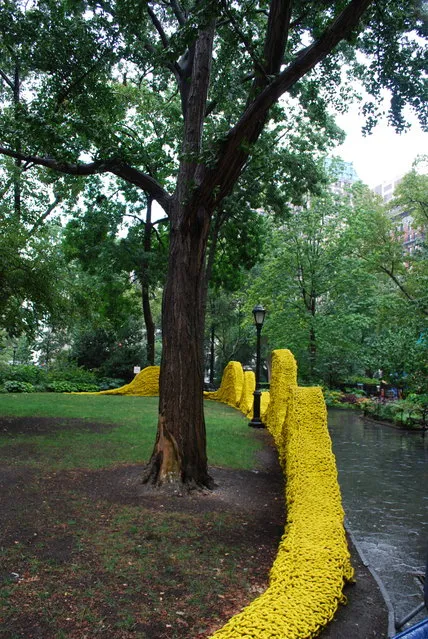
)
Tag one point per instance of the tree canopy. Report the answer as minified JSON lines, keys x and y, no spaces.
{"x":173,"y":97}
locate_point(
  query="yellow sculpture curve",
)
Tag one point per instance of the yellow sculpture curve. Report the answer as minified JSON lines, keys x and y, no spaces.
{"x":313,"y":561}
{"x":144,"y":384}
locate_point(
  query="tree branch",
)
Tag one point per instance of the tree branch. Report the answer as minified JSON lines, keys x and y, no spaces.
{"x":7,"y":79}
{"x":236,"y":147}
{"x":161,"y":220}
{"x":117,"y":167}
{"x":179,"y":13}
{"x":43,"y":217}
{"x":276,"y":35}
{"x":195,"y":111}
{"x":143,"y":181}
{"x":65,"y":91}
{"x":248,"y":45}
{"x":158,"y":27}
{"x":176,"y":67}
{"x":397,"y":282}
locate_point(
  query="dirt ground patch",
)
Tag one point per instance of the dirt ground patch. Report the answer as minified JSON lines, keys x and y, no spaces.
{"x":89,"y":554}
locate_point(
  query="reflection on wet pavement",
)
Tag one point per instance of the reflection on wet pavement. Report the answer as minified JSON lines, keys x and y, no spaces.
{"x":383,"y":474}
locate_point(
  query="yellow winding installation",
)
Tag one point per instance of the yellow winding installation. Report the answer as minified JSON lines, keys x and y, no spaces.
{"x":232,"y":383}
{"x":236,"y":390}
{"x":313,"y":561}
{"x":145,"y":384}
{"x":247,"y":396}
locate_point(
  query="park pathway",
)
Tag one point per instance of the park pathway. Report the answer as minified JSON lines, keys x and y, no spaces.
{"x":383,"y":474}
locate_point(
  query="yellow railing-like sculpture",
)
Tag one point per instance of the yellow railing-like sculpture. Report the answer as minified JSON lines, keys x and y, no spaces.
{"x":313,"y":562}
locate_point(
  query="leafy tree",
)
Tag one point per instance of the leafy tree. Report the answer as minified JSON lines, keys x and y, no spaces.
{"x":229,"y":337}
{"x":109,"y":352}
{"x":342,"y":292}
{"x":320,"y":299}
{"x":31,"y":270}
{"x":112,"y":235}
{"x":378,"y":241}
{"x":411,"y":195}
{"x":115,"y":76}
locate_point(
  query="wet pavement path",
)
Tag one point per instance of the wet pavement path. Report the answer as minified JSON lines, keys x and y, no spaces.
{"x":383,"y":474}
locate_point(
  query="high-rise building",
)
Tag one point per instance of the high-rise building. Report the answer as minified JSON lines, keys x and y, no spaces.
{"x":386,"y":189}
{"x":344,"y":175}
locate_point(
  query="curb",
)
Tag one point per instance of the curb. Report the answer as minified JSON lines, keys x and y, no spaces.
{"x":378,"y":580}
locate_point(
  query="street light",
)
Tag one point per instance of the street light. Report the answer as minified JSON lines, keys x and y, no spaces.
{"x":259,"y":317}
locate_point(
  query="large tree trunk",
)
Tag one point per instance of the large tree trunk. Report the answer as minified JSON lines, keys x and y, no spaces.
{"x":150,"y":326}
{"x":179,"y":456}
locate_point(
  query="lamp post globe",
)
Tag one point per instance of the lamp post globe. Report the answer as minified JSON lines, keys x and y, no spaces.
{"x":259,"y":315}
{"x":259,"y":318}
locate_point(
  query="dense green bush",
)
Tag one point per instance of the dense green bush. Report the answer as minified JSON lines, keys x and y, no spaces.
{"x":332,"y":397}
{"x":411,"y":412}
{"x":42,"y":379}
{"x":358,"y":379}
{"x":107,"y":383}
{"x":64,"y":379}
{"x":13,"y":386}
{"x":357,"y":392}
{"x":70,"y":387}
{"x":73,"y":374}
{"x":23,"y":373}
{"x":418,"y":400}
{"x":354,"y":398}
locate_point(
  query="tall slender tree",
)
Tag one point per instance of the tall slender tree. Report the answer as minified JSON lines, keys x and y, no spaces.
{"x":206,"y":77}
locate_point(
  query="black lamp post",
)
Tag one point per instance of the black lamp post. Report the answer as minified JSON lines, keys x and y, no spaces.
{"x":259,"y":317}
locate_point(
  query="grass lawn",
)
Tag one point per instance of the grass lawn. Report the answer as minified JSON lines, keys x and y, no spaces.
{"x":86,"y":554}
{"x":131,"y":438}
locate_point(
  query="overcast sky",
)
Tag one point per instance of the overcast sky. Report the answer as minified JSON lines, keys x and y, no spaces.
{"x":383,"y":155}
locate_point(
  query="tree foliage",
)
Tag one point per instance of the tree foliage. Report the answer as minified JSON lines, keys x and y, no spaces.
{"x":342,"y":291}
{"x":110,"y":79}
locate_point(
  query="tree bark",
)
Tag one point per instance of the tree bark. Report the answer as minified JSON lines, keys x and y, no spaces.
{"x":312,"y":338}
{"x":179,"y":456}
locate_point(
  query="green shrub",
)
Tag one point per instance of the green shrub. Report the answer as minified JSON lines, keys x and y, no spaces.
{"x":70,"y":387}
{"x":106,"y":383}
{"x":358,"y":392}
{"x":22,"y":373}
{"x":73,"y":374}
{"x":13,"y":386}
{"x":359,"y":379}
{"x":418,"y":400}
{"x":88,"y":388}
{"x":61,"y":387}
{"x":405,"y":413}
{"x":332,"y":398}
